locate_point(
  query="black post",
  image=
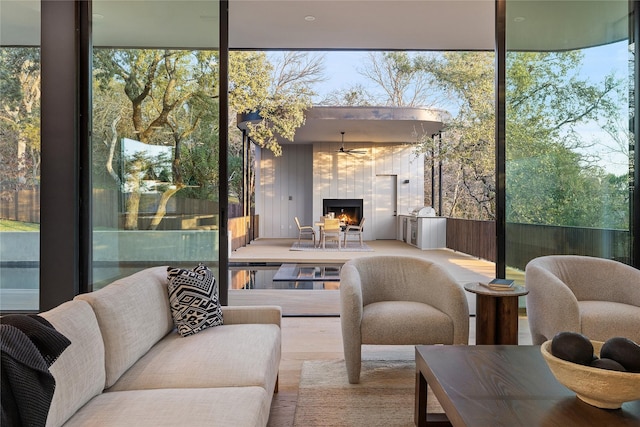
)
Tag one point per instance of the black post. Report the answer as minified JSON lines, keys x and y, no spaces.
{"x":84,"y":23}
{"x":501,"y":128}
{"x":433,"y":175}
{"x":634,"y":199}
{"x":223,"y":195}
{"x":439,"y":174}
{"x":60,"y":193}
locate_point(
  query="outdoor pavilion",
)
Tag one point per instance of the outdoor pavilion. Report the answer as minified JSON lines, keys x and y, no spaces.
{"x":385,"y":139}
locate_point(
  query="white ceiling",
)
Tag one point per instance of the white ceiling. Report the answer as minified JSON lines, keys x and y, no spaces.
{"x":362,"y":24}
{"x":336,"y":24}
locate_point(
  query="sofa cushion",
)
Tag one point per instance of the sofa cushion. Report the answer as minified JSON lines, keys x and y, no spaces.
{"x":133,"y":314}
{"x":193,"y":298}
{"x":233,"y":406}
{"x":79,"y":372}
{"x":224,"y":356}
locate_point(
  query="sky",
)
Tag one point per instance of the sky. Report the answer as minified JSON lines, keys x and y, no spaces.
{"x":342,"y":68}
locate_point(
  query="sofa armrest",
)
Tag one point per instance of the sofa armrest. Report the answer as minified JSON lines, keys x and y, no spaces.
{"x":251,"y":314}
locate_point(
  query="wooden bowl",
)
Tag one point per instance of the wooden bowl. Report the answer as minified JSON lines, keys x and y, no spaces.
{"x":598,"y":387}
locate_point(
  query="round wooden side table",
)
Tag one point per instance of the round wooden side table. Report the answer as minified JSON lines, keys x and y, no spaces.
{"x":496,"y":313}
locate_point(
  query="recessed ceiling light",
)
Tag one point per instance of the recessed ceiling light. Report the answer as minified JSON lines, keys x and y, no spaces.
{"x":518,"y":19}
{"x":309,"y":18}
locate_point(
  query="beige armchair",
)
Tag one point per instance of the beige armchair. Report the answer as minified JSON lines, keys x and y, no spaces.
{"x":596,"y":297}
{"x":305,"y":230}
{"x":397,"y":300}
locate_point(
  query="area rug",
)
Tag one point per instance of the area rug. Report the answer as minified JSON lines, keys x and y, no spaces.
{"x":385,"y":395}
{"x":330,"y":247}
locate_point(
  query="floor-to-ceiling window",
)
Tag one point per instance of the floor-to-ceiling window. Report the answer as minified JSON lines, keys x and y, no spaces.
{"x":20,"y":155}
{"x":155,"y":145}
{"x":152,"y":159}
{"x":567,"y":136}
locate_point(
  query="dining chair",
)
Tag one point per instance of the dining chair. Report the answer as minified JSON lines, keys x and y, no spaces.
{"x":331,"y":231}
{"x":354,"y":230}
{"x":305,"y":230}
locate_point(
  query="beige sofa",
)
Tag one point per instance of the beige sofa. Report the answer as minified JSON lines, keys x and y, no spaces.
{"x":127,"y":365}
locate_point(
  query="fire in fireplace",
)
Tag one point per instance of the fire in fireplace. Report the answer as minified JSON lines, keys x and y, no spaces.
{"x":347,"y":210}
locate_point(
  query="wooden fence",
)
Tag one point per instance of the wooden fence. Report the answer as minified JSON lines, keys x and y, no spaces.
{"x":527,"y":241}
{"x":23,"y":205}
{"x":108,"y":205}
{"x":476,"y":238}
{"x":243,"y":230}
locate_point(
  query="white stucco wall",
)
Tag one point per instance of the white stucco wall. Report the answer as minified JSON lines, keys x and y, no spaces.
{"x":296,"y":183}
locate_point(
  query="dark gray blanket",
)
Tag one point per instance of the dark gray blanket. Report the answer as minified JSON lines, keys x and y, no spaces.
{"x":29,"y":345}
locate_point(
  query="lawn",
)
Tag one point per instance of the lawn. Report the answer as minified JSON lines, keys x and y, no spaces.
{"x":8,"y":225}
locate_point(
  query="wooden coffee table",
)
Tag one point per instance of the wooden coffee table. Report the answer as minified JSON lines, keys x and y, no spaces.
{"x":504,"y":385}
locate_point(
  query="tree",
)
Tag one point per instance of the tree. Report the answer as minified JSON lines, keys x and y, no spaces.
{"x":404,"y":79}
{"x":169,"y":93}
{"x":19,"y":119}
{"x":354,"y":96}
{"x":468,"y":139}
{"x":551,"y":177}
{"x":171,"y":100}
{"x":289,"y":96}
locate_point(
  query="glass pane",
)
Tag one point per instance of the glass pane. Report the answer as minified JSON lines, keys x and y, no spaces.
{"x":155,"y":136}
{"x":567,"y":136}
{"x":19,"y":155}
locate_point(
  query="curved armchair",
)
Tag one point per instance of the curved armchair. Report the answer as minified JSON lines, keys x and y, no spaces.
{"x":396,"y":300}
{"x":599,"y":298}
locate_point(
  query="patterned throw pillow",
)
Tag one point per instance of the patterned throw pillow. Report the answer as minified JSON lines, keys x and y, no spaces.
{"x":193,"y":297}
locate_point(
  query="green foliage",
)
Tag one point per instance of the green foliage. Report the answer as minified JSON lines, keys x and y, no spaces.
{"x":550,"y":172}
{"x":550,"y":179}
{"x":468,"y":147}
{"x":289,"y":95}
{"x":166,"y":97}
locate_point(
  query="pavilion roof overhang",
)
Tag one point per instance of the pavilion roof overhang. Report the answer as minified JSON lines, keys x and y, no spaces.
{"x":400,"y":125}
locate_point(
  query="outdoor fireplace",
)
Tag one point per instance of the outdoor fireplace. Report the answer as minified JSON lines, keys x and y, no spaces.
{"x":347,"y":210}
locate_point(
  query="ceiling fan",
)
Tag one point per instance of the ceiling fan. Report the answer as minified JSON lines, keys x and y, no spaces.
{"x":348,"y":150}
